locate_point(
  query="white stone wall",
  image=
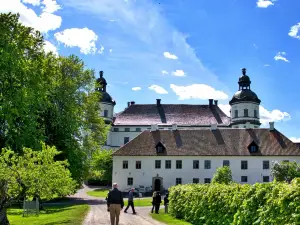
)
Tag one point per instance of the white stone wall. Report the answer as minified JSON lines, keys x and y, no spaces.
{"x":143,"y":176}
{"x":109,"y":107}
{"x":240,"y":107}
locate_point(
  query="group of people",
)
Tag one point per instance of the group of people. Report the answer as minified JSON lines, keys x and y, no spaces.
{"x":115,"y":203}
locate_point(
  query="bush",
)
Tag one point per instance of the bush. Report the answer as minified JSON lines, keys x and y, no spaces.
{"x":236,"y":204}
{"x":223,"y":175}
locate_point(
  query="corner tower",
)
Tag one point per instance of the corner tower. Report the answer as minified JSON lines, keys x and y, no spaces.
{"x":107,"y":104}
{"x":244,"y":105}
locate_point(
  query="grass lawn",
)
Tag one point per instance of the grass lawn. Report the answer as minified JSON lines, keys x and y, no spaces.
{"x":167,"y":218}
{"x":98,"y":193}
{"x":66,"y":215}
{"x":140,"y":202}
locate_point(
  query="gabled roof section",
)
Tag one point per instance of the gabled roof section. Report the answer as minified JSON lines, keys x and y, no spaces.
{"x":168,"y":114}
{"x":204,"y":142}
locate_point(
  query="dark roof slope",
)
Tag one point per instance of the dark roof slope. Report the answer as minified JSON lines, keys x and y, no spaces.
{"x":204,"y":142}
{"x":167,"y":114}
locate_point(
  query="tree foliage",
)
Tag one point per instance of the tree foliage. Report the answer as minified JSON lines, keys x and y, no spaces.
{"x":285,"y":171}
{"x":102,"y":165}
{"x":237,"y":204}
{"x":46,"y":98}
{"x":34,"y":173}
{"x":223,"y":175}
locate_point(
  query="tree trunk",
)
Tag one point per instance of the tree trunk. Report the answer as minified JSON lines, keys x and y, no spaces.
{"x":3,"y":217}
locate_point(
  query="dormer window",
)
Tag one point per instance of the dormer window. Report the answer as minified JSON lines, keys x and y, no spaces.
{"x":253,"y":147}
{"x":160,"y":147}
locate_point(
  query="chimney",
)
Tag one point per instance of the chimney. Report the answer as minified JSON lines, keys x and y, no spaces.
{"x":174,"y":126}
{"x":216,"y":102}
{"x":128,"y":104}
{"x":213,"y":126}
{"x":132,"y":103}
{"x":271,"y":126}
{"x":158,"y":102}
{"x":101,"y":74}
{"x":248,"y":125}
{"x":153,"y":127}
{"x":210,"y":102}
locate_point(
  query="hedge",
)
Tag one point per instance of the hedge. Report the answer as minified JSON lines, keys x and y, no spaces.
{"x":237,"y":204}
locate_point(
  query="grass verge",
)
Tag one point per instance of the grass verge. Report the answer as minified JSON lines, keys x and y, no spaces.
{"x":98,"y":193}
{"x":67,"y":215}
{"x":140,"y":202}
{"x":167,"y":218}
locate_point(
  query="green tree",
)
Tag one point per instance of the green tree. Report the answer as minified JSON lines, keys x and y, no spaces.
{"x":31,"y":174}
{"x":223,"y":175}
{"x":46,"y":98}
{"x":102,"y":165}
{"x":285,"y":171}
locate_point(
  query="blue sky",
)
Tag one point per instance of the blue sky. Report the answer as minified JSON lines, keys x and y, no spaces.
{"x":180,"y":51}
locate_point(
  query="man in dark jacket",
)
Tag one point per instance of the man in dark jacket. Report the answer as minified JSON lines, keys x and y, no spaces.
{"x":130,"y":201}
{"x":166,"y":203}
{"x":115,"y":203}
{"x":157,"y":202}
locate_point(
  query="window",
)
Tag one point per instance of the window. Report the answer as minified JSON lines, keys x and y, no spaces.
{"x":138,"y":129}
{"x":266,"y":165}
{"x":253,"y":148}
{"x":207,"y":164}
{"x":286,"y":161}
{"x":125,"y":164}
{"x":255,"y":113}
{"x":159,"y":149}
{"x":138,"y":164}
{"x":157,"y":164}
{"x":196,"y":164}
{"x":178,"y":181}
{"x":178,"y":164}
{"x":195,"y":180}
{"x":206,"y":180}
{"x":266,"y":179}
{"x":244,"y":165}
{"x":130,"y":181}
{"x":244,"y":179}
{"x":127,"y":129}
{"x":168,"y":164}
{"x":116,"y":129}
{"x":126,"y":140}
{"x":105,"y":113}
{"x":236,"y":113}
{"x":245,"y":112}
{"x":226,"y":163}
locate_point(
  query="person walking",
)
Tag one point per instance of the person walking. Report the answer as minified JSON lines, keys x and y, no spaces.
{"x":115,"y":204}
{"x":157,"y":202}
{"x":153,"y":201}
{"x":130,"y":201}
{"x":166,"y":202}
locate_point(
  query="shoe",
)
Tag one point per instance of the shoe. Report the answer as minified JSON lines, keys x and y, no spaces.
{"x":125,"y":212}
{"x":134,"y":213}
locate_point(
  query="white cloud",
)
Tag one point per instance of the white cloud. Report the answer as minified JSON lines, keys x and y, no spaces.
{"x":136,"y":88}
{"x":178,"y":73}
{"x":32,"y":2}
{"x":164,"y":72}
{"x":76,"y":37}
{"x":170,"y":56}
{"x":49,"y":47}
{"x":294,"y":31}
{"x":266,"y":116}
{"x":281,"y":56}
{"x":101,"y":50}
{"x":198,"y":91}
{"x":295,"y":140}
{"x":266,"y":65}
{"x":110,"y":50}
{"x":44,"y":22}
{"x":158,"y":89}
{"x":50,"y":6}
{"x":264,"y":3}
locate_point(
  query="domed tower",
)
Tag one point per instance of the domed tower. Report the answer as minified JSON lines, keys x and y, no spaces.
{"x":245,"y":105}
{"x":106,"y":102}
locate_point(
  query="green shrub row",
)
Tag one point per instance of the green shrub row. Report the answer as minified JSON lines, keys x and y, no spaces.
{"x":237,"y":204}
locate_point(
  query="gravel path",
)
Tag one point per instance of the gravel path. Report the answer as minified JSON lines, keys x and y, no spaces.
{"x":98,"y":213}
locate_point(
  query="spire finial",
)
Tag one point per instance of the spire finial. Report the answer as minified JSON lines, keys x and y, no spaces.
{"x":244,"y":71}
{"x":101,"y":74}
